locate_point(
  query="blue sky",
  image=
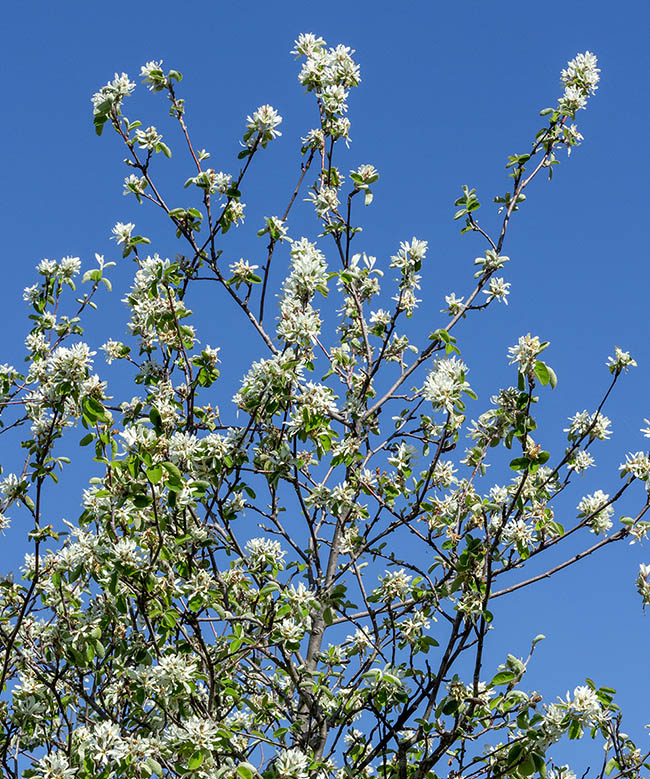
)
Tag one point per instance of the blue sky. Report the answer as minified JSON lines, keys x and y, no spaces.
{"x":448,"y":91}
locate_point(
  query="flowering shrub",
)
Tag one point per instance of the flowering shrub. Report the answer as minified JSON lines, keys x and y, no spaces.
{"x":296,"y":587}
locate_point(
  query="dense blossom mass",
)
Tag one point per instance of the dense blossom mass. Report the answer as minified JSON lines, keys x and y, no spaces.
{"x":292,"y":578}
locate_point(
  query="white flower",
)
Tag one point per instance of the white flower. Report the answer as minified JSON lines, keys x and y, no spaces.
{"x":148,"y":139}
{"x":621,"y":361}
{"x":174,"y":669}
{"x":31,"y":294}
{"x":291,"y":631}
{"x":395,"y":584}
{"x":583,"y":70}
{"x":525,"y":352}
{"x":242,"y":269}
{"x":380,"y":317}
{"x":122,"y":232}
{"x":115,"y":350}
{"x":637,"y":464}
{"x":594,"y":507}
{"x":580,"y":79}
{"x":497,"y":289}
{"x":235,"y":212}
{"x":47,"y":267}
{"x":518,"y":531}
{"x":411,"y":628}
{"x":361,"y":640}
{"x":585,"y":706}
{"x":54,"y":766}
{"x":275,"y":227}
{"x":263,"y":551}
{"x":151,"y":75}
{"x":454,"y":304}
{"x":308,"y":271}
{"x":69,"y":267}
{"x":580,"y":461}
{"x":561,"y":772}
{"x":325,"y":200}
{"x":643,"y":583}
{"x":183,"y":448}
{"x":598,"y":426}
{"x":134,"y":185}
{"x":261,"y":127}
{"x":445,"y":383}
{"x":307,"y":44}
{"x":292,"y":764}
{"x":198,"y":732}
{"x":113,"y":93}
{"x":127,"y":551}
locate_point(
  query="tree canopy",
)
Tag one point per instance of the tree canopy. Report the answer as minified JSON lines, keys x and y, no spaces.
{"x":297,"y":584}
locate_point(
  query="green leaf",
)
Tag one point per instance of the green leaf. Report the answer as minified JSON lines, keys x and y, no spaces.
{"x":244,"y":771}
{"x":519,"y":463}
{"x":541,"y":371}
{"x":154,"y":474}
{"x":154,"y":765}
{"x":164,"y":149}
{"x":195,"y":761}
{"x":503,"y":677}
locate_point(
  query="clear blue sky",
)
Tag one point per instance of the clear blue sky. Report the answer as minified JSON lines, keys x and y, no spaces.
{"x":448,"y":91}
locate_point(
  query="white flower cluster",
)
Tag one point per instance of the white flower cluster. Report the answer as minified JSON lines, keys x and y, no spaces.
{"x":292,"y":764}
{"x":328,"y":72}
{"x":409,"y":261}
{"x":152,"y":75}
{"x":402,"y":456}
{"x":200,"y":733}
{"x":261,"y":127}
{"x":242,"y":272}
{"x":275,"y":228}
{"x":585,"y":706}
{"x":299,"y":322}
{"x":580,"y":79}
{"x":637,"y":464}
{"x":324,"y":200}
{"x":582,"y":422}
{"x":64,"y":270}
{"x":580,"y":461}
{"x":111,"y":95}
{"x":594,"y":507}
{"x":266,"y":380}
{"x":643,"y":583}
{"x":313,"y":400}
{"x":54,"y":766}
{"x":526,"y":351}
{"x":621,"y":361}
{"x":445,"y":383}
{"x":150,"y":305}
{"x":263,"y":552}
{"x":517,"y":531}
{"x":115,"y":350}
{"x":413,"y":626}
{"x":172,"y":671}
{"x":395,"y":584}
{"x":66,"y":370}
{"x":148,"y":139}
{"x":122,"y":232}
{"x":134,"y":185}
{"x":498,"y":289}
{"x":211,"y":181}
